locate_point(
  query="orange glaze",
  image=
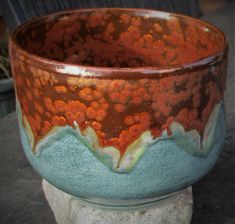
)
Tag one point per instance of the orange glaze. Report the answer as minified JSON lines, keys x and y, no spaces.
{"x":139,"y":42}
{"x":119,"y":110}
{"x":104,"y":109}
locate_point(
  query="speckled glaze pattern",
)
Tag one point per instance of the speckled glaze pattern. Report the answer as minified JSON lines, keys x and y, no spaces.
{"x":120,"y":91}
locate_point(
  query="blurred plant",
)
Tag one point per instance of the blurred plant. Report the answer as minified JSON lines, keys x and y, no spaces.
{"x":4,"y":59}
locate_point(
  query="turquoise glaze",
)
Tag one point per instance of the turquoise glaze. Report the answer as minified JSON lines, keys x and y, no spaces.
{"x":68,"y":164}
{"x":190,"y":141}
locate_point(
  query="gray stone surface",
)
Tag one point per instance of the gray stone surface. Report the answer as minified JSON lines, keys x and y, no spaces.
{"x":68,"y":210}
{"x":21,"y":196}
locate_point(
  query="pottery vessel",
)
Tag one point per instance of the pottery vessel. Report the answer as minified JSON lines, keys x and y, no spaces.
{"x":120,"y":107}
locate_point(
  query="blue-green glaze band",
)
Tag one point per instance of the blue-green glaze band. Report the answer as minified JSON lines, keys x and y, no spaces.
{"x":162,"y":169}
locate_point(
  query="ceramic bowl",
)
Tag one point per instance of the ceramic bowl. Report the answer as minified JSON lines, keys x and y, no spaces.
{"x":120,"y":107}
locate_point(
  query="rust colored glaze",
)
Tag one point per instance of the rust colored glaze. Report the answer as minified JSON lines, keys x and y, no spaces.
{"x":120,"y":71}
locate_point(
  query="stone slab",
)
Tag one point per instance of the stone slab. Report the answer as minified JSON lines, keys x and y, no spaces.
{"x":69,"y":210}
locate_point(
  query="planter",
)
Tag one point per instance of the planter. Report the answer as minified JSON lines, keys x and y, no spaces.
{"x":7,"y":97}
{"x":120,"y":107}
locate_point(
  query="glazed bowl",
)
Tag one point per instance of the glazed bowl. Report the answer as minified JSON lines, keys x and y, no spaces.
{"x":120,"y":107}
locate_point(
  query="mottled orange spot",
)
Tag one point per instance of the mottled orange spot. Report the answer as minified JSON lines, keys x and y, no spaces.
{"x":87,"y":90}
{"x":97,"y":95}
{"x":137,"y":100}
{"x":37,"y":118}
{"x":95,"y":105}
{"x":45,"y":128}
{"x":90,"y":113}
{"x":37,"y":83}
{"x":110,"y":28}
{"x":136,"y":128}
{"x":58,"y":120}
{"x":60,"y":89}
{"x":129,"y":120}
{"x":86,"y":94}
{"x":82,"y":94}
{"x":114,"y":96}
{"x":193,"y":114}
{"x":155,"y":132}
{"x":74,"y":106}
{"x":158,"y":28}
{"x":75,"y":116}
{"x":96,"y":125}
{"x":182,"y":116}
{"x":119,"y":108}
{"x":34,"y":124}
{"x":29,"y":95}
{"x":102,"y":101}
{"x":28,"y":84}
{"x":148,"y":37}
{"x":105,"y":106}
{"x":49,"y":105}
{"x":101,"y":134}
{"x":38,"y":108}
{"x":116,"y":86}
{"x":60,"y":105}
{"x":25,"y":108}
{"x":48,"y":115}
{"x":36,"y":92}
{"x":135,"y":21}
{"x":101,"y":114}
{"x":145,"y":119}
{"x":72,"y":88}
{"x":19,"y":81}
{"x":157,"y":115}
{"x":155,"y":106}
{"x":122,"y":98}
{"x":165,"y":109}
{"x":125,"y":18}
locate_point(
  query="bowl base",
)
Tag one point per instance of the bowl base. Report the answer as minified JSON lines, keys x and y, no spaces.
{"x":132,"y":204}
{"x":174,"y":208}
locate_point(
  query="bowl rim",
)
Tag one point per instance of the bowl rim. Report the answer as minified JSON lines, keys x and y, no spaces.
{"x":96,"y":71}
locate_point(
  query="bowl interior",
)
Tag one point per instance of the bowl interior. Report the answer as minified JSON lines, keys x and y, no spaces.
{"x":120,"y":38}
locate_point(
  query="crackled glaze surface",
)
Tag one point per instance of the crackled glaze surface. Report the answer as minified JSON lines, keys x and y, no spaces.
{"x":119,"y":81}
